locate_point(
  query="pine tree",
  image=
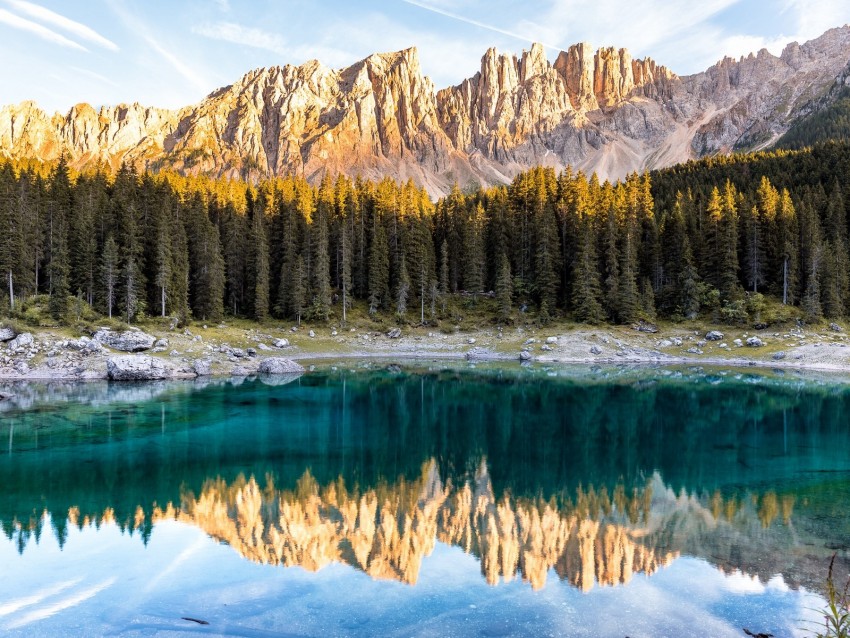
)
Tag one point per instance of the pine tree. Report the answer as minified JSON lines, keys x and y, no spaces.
{"x":299,"y":288}
{"x":722,"y":244}
{"x":207,"y":274}
{"x":260,"y":265}
{"x":444,"y":273}
{"x":59,"y":207}
{"x":403,"y":288}
{"x":504,"y":288}
{"x":811,"y":255}
{"x":611,"y":258}
{"x":757,"y":231}
{"x":420,"y":248}
{"x":586,"y":291}
{"x":294,"y":210}
{"x":178,"y":297}
{"x":109,"y":273}
{"x":345,"y":265}
{"x":628,"y":295}
{"x":163,"y":255}
{"x":128,"y":234}
{"x":378,"y":267}
{"x":649,"y":248}
{"x":680,"y":290}
{"x":835,"y":273}
{"x":90,"y":203}
{"x":547,"y":249}
{"x":728,"y":276}
{"x":321,"y":262}
{"x":12,"y":237}
{"x":28,"y":209}
{"x":786,"y":248}
{"x":473,"y":251}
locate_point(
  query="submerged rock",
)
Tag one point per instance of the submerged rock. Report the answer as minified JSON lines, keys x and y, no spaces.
{"x":136,"y":368}
{"x":279,"y":365}
{"x":133,"y":340}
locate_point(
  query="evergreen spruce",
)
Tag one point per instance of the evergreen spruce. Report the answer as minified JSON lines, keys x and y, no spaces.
{"x":109,"y":273}
{"x":586,"y":290}
{"x":379,"y":267}
{"x":60,"y":201}
{"x":504,"y":288}
{"x":403,"y":288}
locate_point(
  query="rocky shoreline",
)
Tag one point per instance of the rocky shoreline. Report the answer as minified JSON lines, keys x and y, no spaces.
{"x":136,"y":355}
{"x":121,"y":356}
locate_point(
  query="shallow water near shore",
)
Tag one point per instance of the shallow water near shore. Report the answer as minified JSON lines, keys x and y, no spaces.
{"x":432,"y":500}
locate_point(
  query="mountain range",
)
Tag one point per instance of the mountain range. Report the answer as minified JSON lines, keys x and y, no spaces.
{"x":600,"y":111}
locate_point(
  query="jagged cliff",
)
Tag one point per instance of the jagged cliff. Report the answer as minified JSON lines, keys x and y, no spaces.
{"x":601,"y":111}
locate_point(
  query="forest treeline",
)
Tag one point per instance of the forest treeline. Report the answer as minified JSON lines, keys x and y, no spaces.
{"x":712,"y":236}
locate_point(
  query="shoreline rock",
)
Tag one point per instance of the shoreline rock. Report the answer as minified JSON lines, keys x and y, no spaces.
{"x":279,"y":365}
{"x":136,"y":368}
{"x":133,"y":340}
{"x":23,"y":340}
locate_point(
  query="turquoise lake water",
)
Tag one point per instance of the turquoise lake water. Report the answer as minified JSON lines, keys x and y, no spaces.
{"x":364,"y":499}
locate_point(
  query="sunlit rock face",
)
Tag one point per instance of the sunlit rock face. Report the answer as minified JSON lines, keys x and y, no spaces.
{"x":600,"y":110}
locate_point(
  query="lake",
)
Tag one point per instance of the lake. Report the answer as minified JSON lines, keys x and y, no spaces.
{"x":435,"y":500}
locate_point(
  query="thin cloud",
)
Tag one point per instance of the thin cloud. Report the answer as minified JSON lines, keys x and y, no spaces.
{"x":93,"y":75}
{"x":140,"y":28}
{"x":242,"y":35}
{"x":639,"y":26}
{"x":813,"y":17}
{"x":475,"y":23}
{"x":42,"y":32}
{"x":66,"y":24}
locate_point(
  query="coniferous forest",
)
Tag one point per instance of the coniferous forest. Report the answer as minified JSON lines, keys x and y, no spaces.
{"x":716,"y":237}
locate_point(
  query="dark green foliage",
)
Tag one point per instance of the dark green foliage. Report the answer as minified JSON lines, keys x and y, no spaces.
{"x":586,"y":291}
{"x":109,"y":273}
{"x":680,"y":290}
{"x":830,"y":123}
{"x":504,"y":288}
{"x":692,"y":237}
{"x":59,"y":203}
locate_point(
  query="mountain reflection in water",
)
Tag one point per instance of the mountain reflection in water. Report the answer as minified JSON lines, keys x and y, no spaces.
{"x":592,"y":480}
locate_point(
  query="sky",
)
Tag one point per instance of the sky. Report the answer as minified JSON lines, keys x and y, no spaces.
{"x":171,"y":53}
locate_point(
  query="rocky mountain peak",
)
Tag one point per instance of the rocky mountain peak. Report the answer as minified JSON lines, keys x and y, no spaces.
{"x":595,"y":109}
